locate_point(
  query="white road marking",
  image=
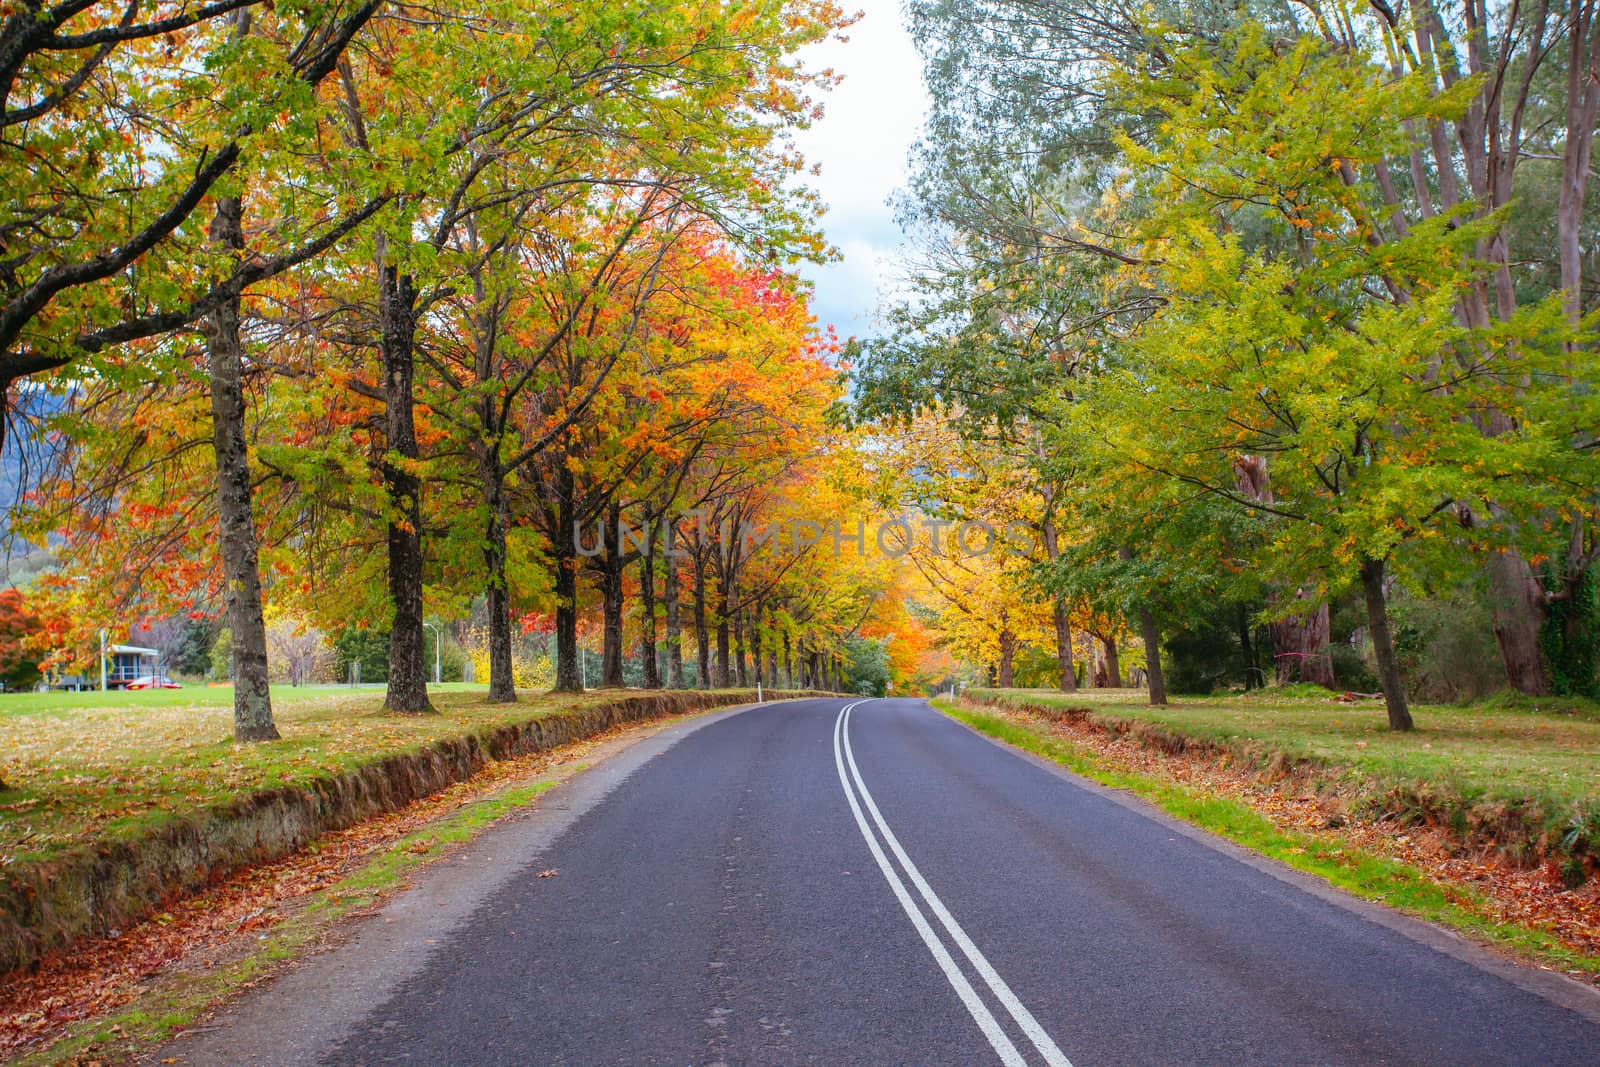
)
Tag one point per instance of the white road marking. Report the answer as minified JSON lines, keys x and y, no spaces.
{"x":980,"y":1013}
{"x":1024,"y":1019}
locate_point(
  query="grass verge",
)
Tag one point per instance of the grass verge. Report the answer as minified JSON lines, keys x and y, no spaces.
{"x":1356,"y":870}
{"x":1522,"y":776}
{"x":178,"y":1001}
{"x":86,"y":768}
{"x":135,"y":826}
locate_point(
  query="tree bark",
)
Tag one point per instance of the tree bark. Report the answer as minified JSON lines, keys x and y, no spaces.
{"x":647,"y":609}
{"x":502,"y":684}
{"x":408,"y":665}
{"x":702,"y":635}
{"x":1066,"y":674}
{"x":754,"y":629}
{"x":1252,"y":672}
{"x":1583,"y":111}
{"x":722,"y":677}
{"x":671,"y":604}
{"x":1113,"y":666}
{"x":741,"y":646}
{"x":1152,"y":655}
{"x":252,"y":698}
{"x":788,"y":660}
{"x":1300,"y":641}
{"x":1008,"y":648}
{"x":1516,"y":607}
{"x":1300,"y":646}
{"x":611,"y":604}
{"x":565,"y":553}
{"x":1394,"y":694}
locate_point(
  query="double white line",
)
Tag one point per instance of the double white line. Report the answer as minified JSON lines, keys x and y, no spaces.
{"x":854,"y":787}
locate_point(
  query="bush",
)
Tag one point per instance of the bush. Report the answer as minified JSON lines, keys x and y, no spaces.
{"x":368,"y":647}
{"x":1568,"y":636}
{"x":530,"y":665}
{"x":222,"y":656}
{"x":1205,"y":652}
{"x":1445,"y":645}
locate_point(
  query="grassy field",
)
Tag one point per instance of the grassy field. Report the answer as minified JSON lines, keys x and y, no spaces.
{"x":1505,"y":751}
{"x":82,"y":766}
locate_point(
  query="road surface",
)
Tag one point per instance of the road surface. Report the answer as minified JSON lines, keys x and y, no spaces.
{"x":838,"y":882}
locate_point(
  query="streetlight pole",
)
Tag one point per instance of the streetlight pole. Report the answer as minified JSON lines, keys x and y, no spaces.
{"x":436,"y":640}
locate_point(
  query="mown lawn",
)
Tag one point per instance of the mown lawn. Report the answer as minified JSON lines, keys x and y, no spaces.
{"x":1510,"y":750}
{"x":81,"y":766}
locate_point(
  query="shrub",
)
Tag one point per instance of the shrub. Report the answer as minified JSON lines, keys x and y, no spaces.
{"x":1445,"y":644}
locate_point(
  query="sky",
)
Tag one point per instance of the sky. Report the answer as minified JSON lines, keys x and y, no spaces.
{"x":861,"y":142}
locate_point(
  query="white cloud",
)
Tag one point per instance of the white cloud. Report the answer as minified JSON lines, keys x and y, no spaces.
{"x":871,"y":120}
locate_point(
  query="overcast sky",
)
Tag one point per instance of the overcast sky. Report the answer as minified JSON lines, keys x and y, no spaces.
{"x":871,"y":120}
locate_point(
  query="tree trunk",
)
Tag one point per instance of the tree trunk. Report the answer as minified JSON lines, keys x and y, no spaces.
{"x":754,"y":629}
{"x":741,"y":646}
{"x":701,"y":634}
{"x":1394,"y":694}
{"x":1113,"y":667}
{"x":1152,"y":655}
{"x":671,"y":604}
{"x":497,"y":595}
{"x":788,"y":661}
{"x":565,"y":553}
{"x":1516,"y":606}
{"x":647,"y":608}
{"x":252,"y":699}
{"x":1300,"y":646}
{"x":1252,"y":673}
{"x":722,"y":679}
{"x":1583,"y":111}
{"x":408,"y":661}
{"x":1008,"y":648}
{"x":611,"y":609}
{"x":1066,"y":674}
{"x":1299,"y":642}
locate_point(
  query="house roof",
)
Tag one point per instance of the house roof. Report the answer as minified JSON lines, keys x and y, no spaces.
{"x":136,"y":650}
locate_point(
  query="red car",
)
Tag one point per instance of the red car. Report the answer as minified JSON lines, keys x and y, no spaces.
{"x":153,"y":681}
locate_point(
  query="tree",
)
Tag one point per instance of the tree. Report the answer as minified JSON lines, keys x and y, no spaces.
{"x":87,"y":92}
{"x":1340,"y":357}
{"x":20,"y":630}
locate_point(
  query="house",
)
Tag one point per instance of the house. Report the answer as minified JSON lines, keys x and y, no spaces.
{"x":125,"y":663}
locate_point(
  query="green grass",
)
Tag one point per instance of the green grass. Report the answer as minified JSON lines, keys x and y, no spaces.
{"x":197,"y":696}
{"x":1359,"y":872}
{"x":83,"y":767}
{"x":1509,"y":751}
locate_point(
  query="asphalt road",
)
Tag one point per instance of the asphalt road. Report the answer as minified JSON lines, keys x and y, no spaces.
{"x":834,"y":883}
